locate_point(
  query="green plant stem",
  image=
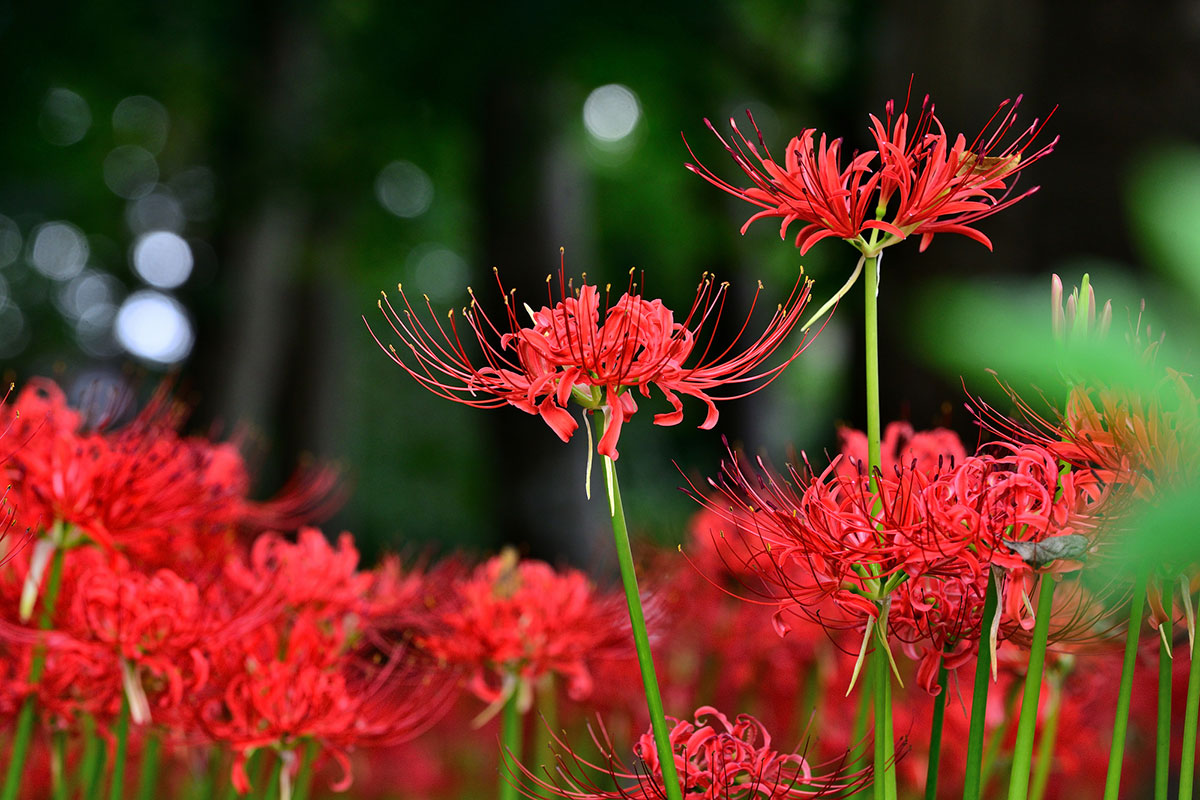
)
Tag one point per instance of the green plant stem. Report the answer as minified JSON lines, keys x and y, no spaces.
{"x":1018,"y":786}
{"x":1112,"y":782}
{"x":304,"y":777}
{"x":92,"y":769}
{"x":116,"y":789}
{"x":151,"y":759}
{"x":983,"y":669}
{"x":889,"y":742}
{"x":23,"y":731}
{"x":1187,"y":764}
{"x":1162,"y":744}
{"x":885,"y":777}
{"x":58,"y":763}
{"x":1045,"y":759}
{"x":510,"y":748}
{"x":872,"y":352}
{"x":935,"y":734}
{"x":880,"y":678}
{"x":271,"y":787}
{"x":641,"y":641}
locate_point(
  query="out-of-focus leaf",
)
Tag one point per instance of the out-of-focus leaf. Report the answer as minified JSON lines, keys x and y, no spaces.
{"x":1164,"y":206}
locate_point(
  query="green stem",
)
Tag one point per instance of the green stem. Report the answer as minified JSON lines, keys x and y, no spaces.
{"x":1018,"y":787}
{"x":58,"y":759}
{"x":510,"y":747}
{"x":935,"y":734}
{"x":872,"y":353}
{"x":23,"y":732}
{"x":271,"y":787}
{"x":1162,"y":744}
{"x":880,"y":678}
{"x":151,"y":759}
{"x":641,"y":641}
{"x":983,"y":669}
{"x":1045,"y":759}
{"x":92,"y":770}
{"x":885,"y":777}
{"x":1187,"y":764}
{"x":305,"y":776}
{"x":91,"y":749}
{"x":1112,"y":782}
{"x":116,"y":789}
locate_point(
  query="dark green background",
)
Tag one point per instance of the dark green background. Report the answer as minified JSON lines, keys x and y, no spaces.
{"x":295,"y":109}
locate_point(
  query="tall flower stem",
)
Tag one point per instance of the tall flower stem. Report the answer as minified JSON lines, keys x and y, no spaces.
{"x":871,"y":282}
{"x":23,"y":731}
{"x":935,"y":734}
{"x":1018,"y":787}
{"x":885,"y":774}
{"x":979,"y":700}
{"x":510,"y":746}
{"x":116,"y":789}
{"x":1162,"y":744}
{"x":305,"y":776}
{"x":1187,"y":764}
{"x":1112,"y":782}
{"x":148,"y":779}
{"x":637,"y":621}
{"x":1045,"y":760}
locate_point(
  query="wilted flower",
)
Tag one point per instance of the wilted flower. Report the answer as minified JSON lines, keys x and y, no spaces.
{"x":581,"y":346}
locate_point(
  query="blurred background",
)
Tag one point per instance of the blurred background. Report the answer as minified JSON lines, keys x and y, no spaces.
{"x":219,"y":191}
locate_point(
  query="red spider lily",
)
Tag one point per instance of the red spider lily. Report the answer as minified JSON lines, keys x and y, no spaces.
{"x":1148,"y":441}
{"x":510,"y":623}
{"x":716,"y":760}
{"x":307,"y":574}
{"x":929,"y":452}
{"x":141,"y":488}
{"x":917,"y":180}
{"x":917,"y":547}
{"x":595,"y":351}
{"x":280,"y":687}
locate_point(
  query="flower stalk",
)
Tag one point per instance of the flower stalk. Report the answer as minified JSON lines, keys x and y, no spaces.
{"x":1018,"y":787}
{"x":983,"y":666}
{"x":510,"y":745}
{"x":1162,"y":743}
{"x":935,"y":734}
{"x":1112,"y":782}
{"x":637,"y":621}
{"x":1187,"y":764}
{"x":23,"y":732}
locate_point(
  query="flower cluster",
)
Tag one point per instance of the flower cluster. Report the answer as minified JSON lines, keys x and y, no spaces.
{"x":916,"y":545}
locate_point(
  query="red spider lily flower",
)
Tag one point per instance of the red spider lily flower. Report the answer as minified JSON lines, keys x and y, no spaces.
{"x":929,"y":452}
{"x":716,"y":760}
{"x":918,"y":546}
{"x":307,"y":574}
{"x":918,"y":180}
{"x":284,"y":684}
{"x":510,"y":623}
{"x":142,"y":488}
{"x":582,"y":346}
